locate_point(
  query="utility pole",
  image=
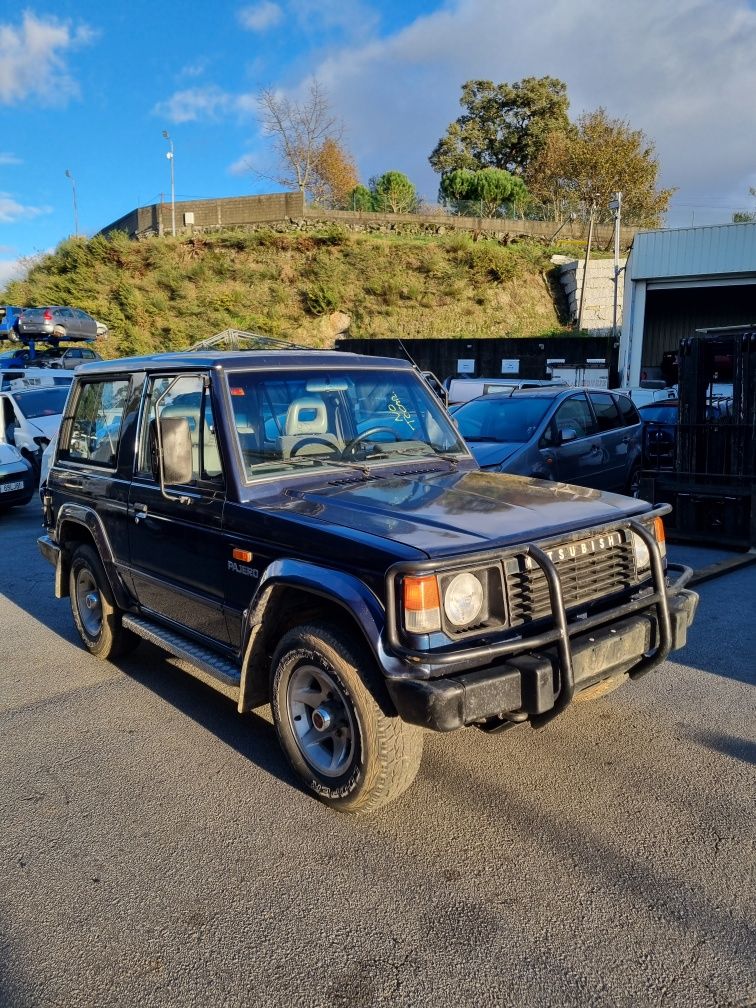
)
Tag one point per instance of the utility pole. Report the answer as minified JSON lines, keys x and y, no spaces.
{"x":585,"y":268}
{"x":76,"y":208}
{"x":616,"y":205}
{"x":169,"y":155}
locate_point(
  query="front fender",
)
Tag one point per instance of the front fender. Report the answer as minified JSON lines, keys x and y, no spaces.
{"x":345,"y":590}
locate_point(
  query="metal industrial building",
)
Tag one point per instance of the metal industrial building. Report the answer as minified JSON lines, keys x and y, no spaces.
{"x":677,"y":281}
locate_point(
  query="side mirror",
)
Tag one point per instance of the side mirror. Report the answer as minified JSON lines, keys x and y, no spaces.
{"x":176,"y":443}
{"x":567,"y":434}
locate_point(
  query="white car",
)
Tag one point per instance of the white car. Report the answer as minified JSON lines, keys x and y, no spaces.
{"x":16,"y":477}
{"x":642,"y":395}
{"x":30,"y":418}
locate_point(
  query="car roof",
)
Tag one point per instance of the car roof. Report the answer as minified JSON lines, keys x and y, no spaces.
{"x":235,"y":359}
{"x":542,"y":392}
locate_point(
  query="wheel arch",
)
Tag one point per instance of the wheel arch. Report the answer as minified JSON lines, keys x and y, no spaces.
{"x":77,"y":525}
{"x":293,"y":593}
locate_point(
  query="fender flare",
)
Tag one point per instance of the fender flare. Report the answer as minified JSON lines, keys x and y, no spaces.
{"x":79,"y":514}
{"x":339,"y":587}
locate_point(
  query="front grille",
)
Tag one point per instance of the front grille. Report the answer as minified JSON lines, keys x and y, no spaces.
{"x":584,"y":579}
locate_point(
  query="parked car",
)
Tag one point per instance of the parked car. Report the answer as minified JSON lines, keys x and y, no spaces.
{"x":62,"y":323}
{"x":16,"y":477}
{"x":643,"y":394}
{"x":660,"y":426}
{"x":588,"y":437}
{"x":30,"y":417}
{"x":33,"y":378}
{"x":462,"y":390}
{"x":307,"y":529}
{"x":9,"y":315}
{"x":71,"y":357}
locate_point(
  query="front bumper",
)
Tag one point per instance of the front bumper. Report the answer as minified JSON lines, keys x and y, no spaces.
{"x":528,"y":686}
{"x":12,"y":474}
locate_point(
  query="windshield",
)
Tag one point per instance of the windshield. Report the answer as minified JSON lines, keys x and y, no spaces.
{"x":287,"y":420}
{"x":659,"y":414}
{"x":42,"y":402}
{"x":499,"y":418}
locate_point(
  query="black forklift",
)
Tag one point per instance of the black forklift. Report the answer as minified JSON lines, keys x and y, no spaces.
{"x":711,"y":481}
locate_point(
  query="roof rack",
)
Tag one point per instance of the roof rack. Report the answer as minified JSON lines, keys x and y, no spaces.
{"x":239,"y":339}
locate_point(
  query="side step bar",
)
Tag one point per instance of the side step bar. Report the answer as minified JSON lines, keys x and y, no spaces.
{"x":205,"y":665}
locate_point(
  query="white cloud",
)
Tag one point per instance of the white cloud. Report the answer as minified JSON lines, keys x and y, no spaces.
{"x":10,"y":159}
{"x":260,"y":16}
{"x":194,"y":104}
{"x":12,"y":269}
{"x":683,"y":72}
{"x":11,"y":210}
{"x":33,"y":62}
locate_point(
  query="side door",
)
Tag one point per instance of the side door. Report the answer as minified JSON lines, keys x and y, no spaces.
{"x":571,"y":435}
{"x":177,"y":554}
{"x":94,"y":451}
{"x":614,"y":440}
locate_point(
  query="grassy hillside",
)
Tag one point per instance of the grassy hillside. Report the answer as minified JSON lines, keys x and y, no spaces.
{"x":167,"y":293}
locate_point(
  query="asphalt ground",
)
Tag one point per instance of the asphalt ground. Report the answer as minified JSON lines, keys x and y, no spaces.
{"x":155,"y":849}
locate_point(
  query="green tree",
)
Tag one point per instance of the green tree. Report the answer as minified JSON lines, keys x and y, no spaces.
{"x":503,"y":125}
{"x":490,"y":188}
{"x":361,"y":199}
{"x":584,"y":165}
{"x":393,"y":192}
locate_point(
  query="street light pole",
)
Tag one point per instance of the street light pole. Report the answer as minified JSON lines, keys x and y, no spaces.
{"x":616,"y":205}
{"x":76,"y":209}
{"x":169,"y":155}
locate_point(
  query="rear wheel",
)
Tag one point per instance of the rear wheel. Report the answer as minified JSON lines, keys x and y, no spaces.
{"x":330,"y":711}
{"x":97,"y":617}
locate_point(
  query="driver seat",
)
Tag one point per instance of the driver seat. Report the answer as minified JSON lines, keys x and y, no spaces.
{"x":306,"y":430}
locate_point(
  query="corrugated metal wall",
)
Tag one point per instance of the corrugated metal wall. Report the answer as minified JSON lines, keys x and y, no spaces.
{"x":672,"y":315}
{"x":693,"y":252}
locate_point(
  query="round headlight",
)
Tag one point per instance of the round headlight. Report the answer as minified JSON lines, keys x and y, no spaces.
{"x":463,"y":599}
{"x":642,"y":558}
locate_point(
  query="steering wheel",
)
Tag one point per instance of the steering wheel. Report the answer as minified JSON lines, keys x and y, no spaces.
{"x":351,"y":445}
{"x":309,"y":439}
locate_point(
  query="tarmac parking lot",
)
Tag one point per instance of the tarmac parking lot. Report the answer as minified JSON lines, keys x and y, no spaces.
{"x":155,"y":850}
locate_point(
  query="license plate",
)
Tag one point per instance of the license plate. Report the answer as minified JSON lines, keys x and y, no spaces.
{"x":7,"y":487}
{"x":581,"y":548}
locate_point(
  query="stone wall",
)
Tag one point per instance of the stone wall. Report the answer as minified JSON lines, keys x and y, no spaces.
{"x":599,"y":292}
{"x":287,"y":210}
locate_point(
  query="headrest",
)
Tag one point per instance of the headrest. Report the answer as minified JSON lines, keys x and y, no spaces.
{"x":307,"y":416}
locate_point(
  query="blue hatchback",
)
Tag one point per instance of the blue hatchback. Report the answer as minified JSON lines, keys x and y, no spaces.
{"x":588,"y":437}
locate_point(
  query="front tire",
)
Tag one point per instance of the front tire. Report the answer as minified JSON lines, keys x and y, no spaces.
{"x":329,"y":708}
{"x":97,"y":617}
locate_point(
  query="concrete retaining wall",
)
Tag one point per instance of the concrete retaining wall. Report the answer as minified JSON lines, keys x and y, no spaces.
{"x":599,"y":293}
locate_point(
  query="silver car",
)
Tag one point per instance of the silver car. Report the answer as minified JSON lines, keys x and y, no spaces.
{"x":60,"y":322}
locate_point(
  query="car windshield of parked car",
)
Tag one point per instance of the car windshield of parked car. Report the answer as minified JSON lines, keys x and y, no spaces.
{"x":294,"y":419}
{"x":42,"y":402}
{"x":500,"y":418}
{"x":659,"y":414}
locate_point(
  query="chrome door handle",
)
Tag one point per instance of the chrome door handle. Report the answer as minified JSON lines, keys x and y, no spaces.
{"x":140,"y":511}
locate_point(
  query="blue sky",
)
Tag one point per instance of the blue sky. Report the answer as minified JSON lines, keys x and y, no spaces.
{"x":89,"y":87}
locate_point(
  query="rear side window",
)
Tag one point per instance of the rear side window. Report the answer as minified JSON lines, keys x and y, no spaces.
{"x":605,"y":408}
{"x":95,"y":427}
{"x":627,"y":410}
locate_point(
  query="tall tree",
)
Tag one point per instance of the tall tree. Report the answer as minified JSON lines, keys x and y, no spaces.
{"x":333,"y":177}
{"x":298,"y":131}
{"x":503,"y":125}
{"x":745,"y":216}
{"x":587,"y":163}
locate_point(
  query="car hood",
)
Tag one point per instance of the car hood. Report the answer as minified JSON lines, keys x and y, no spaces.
{"x":493,"y":453}
{"x":444,"y":513}
{"x":46,"y":425}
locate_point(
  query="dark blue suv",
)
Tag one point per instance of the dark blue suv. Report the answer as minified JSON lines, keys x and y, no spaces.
{"x":308,"y":529}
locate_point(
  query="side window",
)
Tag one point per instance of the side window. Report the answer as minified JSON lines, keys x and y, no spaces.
{"x":627,"y":409}
{"x":605,"y":408}
{"x":575,"y":414}
{"x":96,"y":423}
{"x":181,"y":397}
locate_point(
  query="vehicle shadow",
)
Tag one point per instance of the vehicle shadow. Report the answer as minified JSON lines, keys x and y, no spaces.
{"x":728,"y":745}
{"x":251,"y":735}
